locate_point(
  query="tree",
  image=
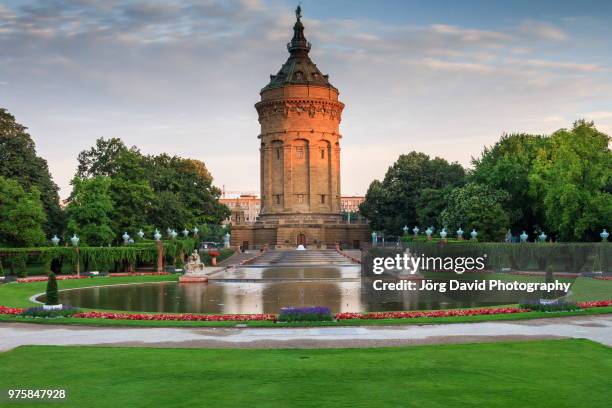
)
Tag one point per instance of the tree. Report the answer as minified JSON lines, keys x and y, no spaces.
{"x":52,"y":293}
{"x":477,"y":206}
{"x":21,"y":215}
{"x":430,"y":204}
{"x":407,"y":186}
{"x":153,"y":191}
{"x":506,"y":166}
{"x":572,"y":181}
{"x":89,"y":210}
{"x":18,"y":161}
{"x":186,"y":186}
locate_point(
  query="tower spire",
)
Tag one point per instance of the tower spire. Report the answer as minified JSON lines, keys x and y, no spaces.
{"x":298,"y":45}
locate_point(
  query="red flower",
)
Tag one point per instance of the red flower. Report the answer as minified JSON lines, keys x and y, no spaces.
{"x":272,"y":317}
{"x":10,"y":310}
{"x":598,"y":303}
{"x":180,"y":317}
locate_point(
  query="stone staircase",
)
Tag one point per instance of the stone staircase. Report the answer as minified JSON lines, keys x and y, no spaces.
{"x":308,"y":257}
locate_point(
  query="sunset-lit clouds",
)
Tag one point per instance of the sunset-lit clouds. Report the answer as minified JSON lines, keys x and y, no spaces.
{"x":182,"y":77}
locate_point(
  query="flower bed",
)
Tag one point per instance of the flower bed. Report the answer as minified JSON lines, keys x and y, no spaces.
{"x":10,"y":310}
{"x":44,"y":278}
{"x":123,"y":274}
{"x":597,"y":303}
{"x":67,"y":277}
{"x":188,"y":317}
{"x":272,"y":317}
{"x":304,"y":314}
{"x":432,"y":313}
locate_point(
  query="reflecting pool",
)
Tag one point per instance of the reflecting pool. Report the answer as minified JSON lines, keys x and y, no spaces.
{"x":267,"y":290}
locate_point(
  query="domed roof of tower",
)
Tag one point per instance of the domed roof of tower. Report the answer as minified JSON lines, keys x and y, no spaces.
{"x":299,"y":68}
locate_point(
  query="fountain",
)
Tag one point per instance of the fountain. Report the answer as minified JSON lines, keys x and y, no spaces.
{"x":194,"y":270}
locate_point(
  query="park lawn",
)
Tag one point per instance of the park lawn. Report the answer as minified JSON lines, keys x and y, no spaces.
{"x":551,"y":373}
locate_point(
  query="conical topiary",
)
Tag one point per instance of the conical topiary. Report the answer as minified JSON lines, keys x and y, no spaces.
{"x":52,"y":295}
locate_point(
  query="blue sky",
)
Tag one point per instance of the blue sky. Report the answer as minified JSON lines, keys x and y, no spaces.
{"x":443,"y":77}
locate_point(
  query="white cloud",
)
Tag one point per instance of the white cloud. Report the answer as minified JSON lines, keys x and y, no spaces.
{"x":543,"y":31}
{"x":182,"y":77}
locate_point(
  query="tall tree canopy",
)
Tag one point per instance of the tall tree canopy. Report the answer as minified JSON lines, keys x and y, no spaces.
{"x":572,"y":182}
{"x":153,"y":191}
{"x":506,"y":166}
{"x":89,"y":211}
{"x":412,"y":191}
{"x":479,"y":207}
{"x":19,"y":162}
{"x":21,"y":215}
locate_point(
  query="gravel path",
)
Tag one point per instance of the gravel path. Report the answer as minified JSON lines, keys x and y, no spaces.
{"x":596,"y":328}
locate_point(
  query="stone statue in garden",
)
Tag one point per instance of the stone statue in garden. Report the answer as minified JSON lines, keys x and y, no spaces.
{"x":194,"y":270}
{"x":194,"y":263}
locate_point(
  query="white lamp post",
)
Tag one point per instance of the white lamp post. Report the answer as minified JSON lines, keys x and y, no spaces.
{"x":443,"y":234}
{"x":459,"y":233}
{"x":428,"y":232}
{"x":473,"y":234}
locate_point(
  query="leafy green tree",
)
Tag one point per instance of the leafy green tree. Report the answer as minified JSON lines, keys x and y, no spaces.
{"x":110,"y":158}
{"x":407,"y":186}
{"x":572,"y":182}
{"x":430,"y":204}
{"x":477,"y":206}
{"x":132,"y":204}
{"x":18,"y":161}
{"x":195,"y":199}
{"x":89,"y":210}
{"x":153,"y":191}
{"x":506,"y":166}
{"x":21,"y":215}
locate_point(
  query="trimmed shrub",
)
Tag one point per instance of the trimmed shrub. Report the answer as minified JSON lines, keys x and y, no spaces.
{"x":305,"y":314}
{"x":52,"y":294}
{"x":38,"y":311}
{"x":560,"y":306}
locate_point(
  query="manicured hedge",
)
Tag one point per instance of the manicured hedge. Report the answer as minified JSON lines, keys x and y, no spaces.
{"x":562,"y":257}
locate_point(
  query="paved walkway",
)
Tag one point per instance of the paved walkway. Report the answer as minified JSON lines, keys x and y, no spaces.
{"x":596,"y":328}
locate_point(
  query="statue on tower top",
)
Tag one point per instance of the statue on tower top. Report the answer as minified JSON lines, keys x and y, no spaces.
{"x":298,"y":12}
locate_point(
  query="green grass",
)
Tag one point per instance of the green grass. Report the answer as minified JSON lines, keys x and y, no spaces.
{"x":553,"y":373}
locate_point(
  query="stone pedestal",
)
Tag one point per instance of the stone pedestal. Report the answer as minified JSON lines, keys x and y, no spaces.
{"x":194,"y":270}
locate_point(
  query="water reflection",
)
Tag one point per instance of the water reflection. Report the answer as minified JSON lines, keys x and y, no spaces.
{"x":267,"y":290}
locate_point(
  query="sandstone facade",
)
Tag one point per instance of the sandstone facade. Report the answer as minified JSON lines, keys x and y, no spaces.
{"x":299,"y":113}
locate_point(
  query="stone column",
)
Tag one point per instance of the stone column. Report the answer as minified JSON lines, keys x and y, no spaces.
{"x":313,"y":150}
{"x":287,"y":174}
{"x":336,"y":190}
